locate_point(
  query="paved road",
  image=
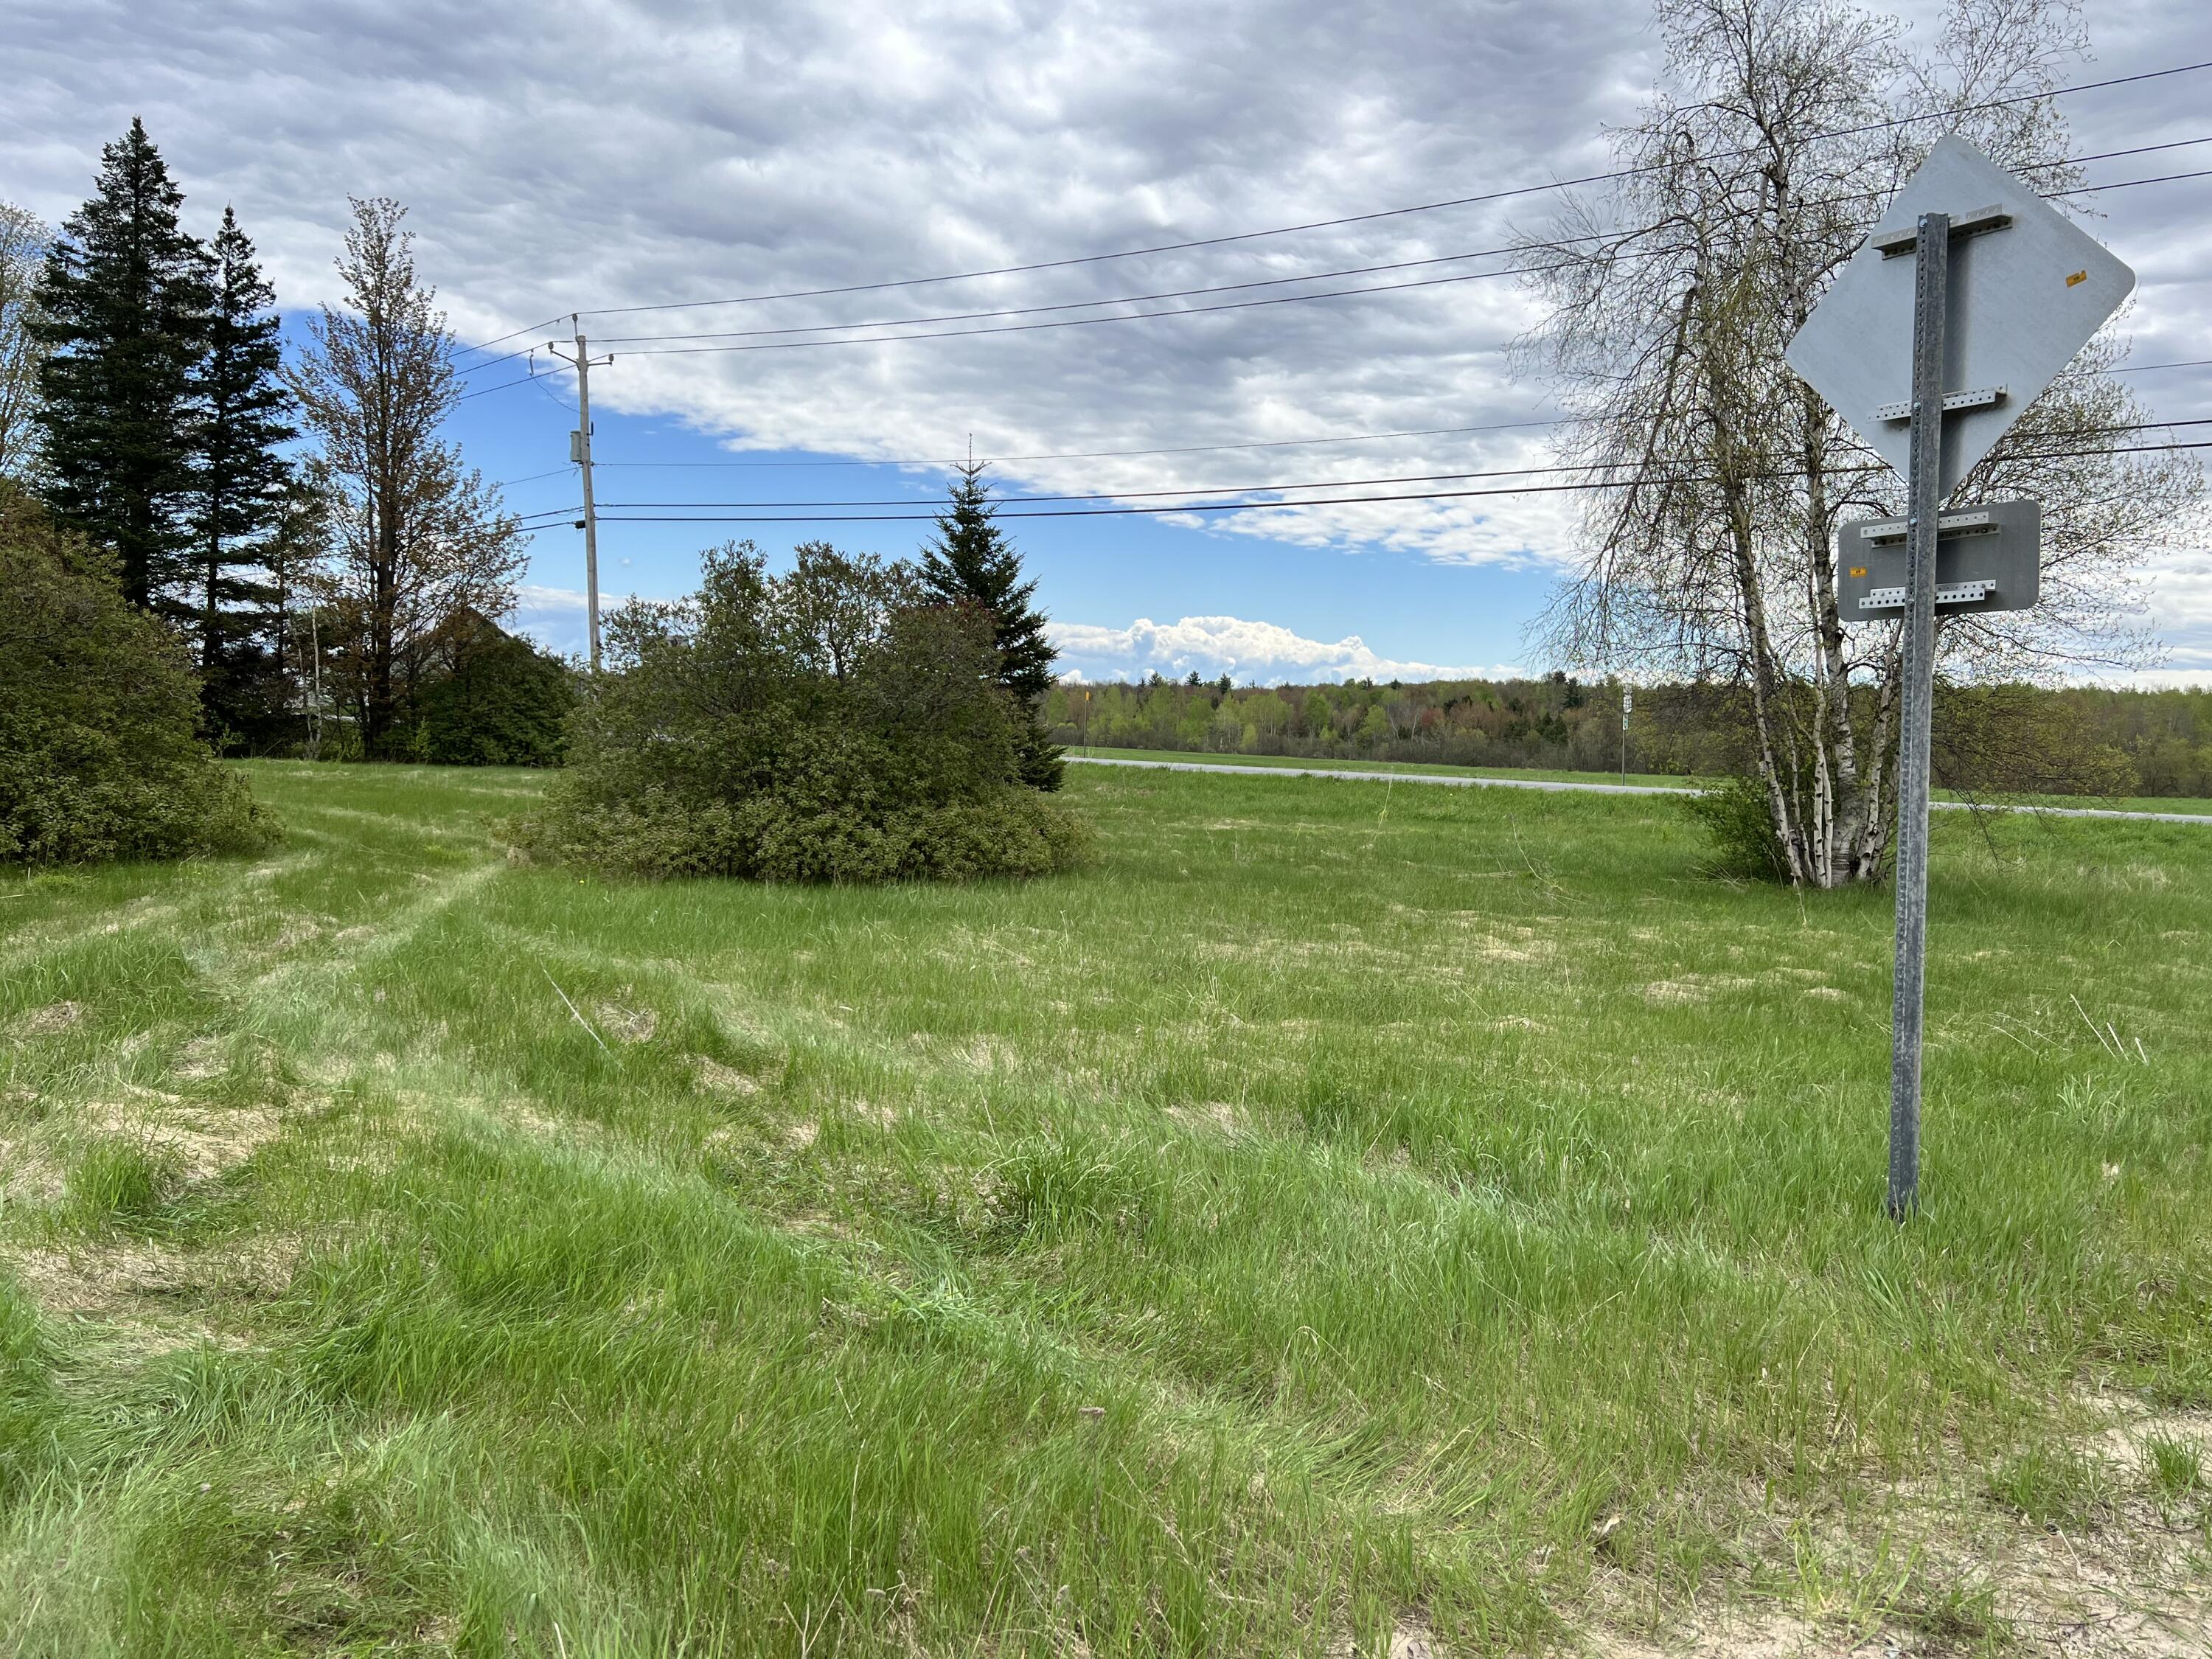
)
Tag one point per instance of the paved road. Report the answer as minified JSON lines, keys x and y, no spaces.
{"x":1554,"y":785}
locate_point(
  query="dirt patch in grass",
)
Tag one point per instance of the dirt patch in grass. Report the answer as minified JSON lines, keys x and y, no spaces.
{"x":1212,"y":1116}
{"x":27,"y":1175}
{"x":626,"y":1025}
{"x":206,"y":1141}
{"x":199,"y":1059}
{"x":50,"y":1020}
{"x":114,"y":1274}
{"x":718,"y":1078}
{"x":1765,"y":1635}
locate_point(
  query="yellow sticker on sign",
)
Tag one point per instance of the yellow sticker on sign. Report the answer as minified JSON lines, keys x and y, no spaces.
{"x":2078,"y":277}
{"x":1858,"y":570}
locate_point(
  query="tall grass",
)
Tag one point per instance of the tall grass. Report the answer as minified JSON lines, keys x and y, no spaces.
{"x":1346,"y":1211}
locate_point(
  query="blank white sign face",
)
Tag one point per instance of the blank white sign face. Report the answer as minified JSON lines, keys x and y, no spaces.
{"x":2023,"y":300}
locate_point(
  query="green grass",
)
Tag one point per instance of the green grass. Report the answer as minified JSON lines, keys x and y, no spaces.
{"x":1652,"y":780}
{"x":1340,"y":1212}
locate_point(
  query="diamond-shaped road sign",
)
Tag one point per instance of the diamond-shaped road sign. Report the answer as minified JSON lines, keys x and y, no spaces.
{"x":2021,"y":304}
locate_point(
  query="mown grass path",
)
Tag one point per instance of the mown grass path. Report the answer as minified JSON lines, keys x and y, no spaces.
{"x":1342,"y":1220}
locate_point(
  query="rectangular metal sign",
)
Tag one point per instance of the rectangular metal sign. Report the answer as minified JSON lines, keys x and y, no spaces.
{"x":1989,"y":558}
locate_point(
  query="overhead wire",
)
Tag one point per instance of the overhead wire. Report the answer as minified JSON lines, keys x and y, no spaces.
{"x":1186,"y":310}
{"x":1203,"y":449}
{"x":1228,"y":305}
{"x":1278,"y":507}
{"x":1560,"y":243}
{"x":1360,"y":218}
{"x":1331,"y":483}
{"x":1243,"y":236}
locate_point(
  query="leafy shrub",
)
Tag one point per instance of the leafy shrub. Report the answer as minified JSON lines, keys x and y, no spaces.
{"x":99,"y":757}
{"x":827,"y":726}
{"x":1735,"y":816}
{"x":501,"y":701}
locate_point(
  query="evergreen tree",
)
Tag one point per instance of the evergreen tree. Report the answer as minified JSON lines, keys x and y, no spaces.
{"x":239,"y":480}
{"x":124,"y":299}
{"x":972,"y":563}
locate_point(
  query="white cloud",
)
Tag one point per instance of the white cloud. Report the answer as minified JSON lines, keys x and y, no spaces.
{"x":1245,"y":651}
{"x":617,"y":152}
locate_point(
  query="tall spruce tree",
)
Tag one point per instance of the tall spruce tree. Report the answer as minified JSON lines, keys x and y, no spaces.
{"x":240,"y":479}
{"x":972,"y":563}
{"x":124,"y":301}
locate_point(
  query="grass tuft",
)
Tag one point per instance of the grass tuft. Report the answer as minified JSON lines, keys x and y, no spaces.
{"x":118,"y":1181}
{"x":2176,"y":1467}
{"x":2053,"y":1486}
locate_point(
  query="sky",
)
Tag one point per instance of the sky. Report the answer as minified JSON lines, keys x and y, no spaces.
{"x":654,"y":167}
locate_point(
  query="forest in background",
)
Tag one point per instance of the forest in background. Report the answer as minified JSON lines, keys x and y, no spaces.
{"x":2003,"y":737}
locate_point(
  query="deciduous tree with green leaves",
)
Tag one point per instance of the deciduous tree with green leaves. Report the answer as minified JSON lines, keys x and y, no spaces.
{"x":972,"y":563}
{"x":98,"y":753}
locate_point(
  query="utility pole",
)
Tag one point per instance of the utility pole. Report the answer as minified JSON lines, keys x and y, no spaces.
{"x":580,"y":452}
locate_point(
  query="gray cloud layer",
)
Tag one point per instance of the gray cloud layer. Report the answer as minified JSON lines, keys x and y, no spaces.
{"x":605,"y":154}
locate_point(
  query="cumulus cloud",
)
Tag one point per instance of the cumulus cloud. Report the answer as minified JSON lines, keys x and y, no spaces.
{"x":1261,"y":651}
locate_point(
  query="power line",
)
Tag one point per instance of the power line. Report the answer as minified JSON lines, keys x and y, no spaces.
{"x":1331,"y":483}
{"x":1280,"y":281}
{"x":1359,"y":483}
{"x":1229,"y":305}
{"x":1113,"y":455}
{"x":1243,"y":236}
{"x":1208,"y":449}
{"x":1356,"y":218}
{"x":1348,"y":501}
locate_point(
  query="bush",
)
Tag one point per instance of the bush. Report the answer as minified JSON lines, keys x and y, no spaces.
{"x":99,"y":757}
{"x":824,"y":726}
{"x":1736,"y":816}
{"x":501,"y":703}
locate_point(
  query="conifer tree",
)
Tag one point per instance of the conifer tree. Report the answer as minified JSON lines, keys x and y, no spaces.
{"x":124,"y":299}
{"x":971,"y":562}
{"x":240,"y":479}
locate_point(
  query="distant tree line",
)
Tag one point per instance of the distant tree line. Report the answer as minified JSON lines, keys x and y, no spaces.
{"x":1997,"y":738}
{"x":326,"y":559}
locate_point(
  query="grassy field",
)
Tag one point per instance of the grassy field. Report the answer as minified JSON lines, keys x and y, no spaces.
{"x":1648,"y":779}
{"x":1652,"y":780}
{"x":1343,"y":1221}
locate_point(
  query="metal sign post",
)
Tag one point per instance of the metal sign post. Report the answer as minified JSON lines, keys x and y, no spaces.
{"x":2002,"y":291}
{"x":1923,"y":489}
